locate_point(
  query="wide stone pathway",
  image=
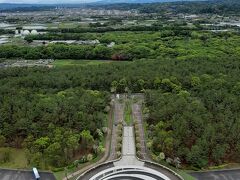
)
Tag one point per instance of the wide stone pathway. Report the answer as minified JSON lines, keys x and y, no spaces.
{"x":128,"y":149}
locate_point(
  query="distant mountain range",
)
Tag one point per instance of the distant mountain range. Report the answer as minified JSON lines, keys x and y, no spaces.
{"x":8,"y":6}
{"x":140,"y":1}
{"x":72,"y":3}
{"x":52,"y":2}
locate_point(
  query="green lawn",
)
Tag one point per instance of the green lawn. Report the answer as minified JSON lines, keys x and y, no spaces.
{"x":185,"y":175}
{"x":68,"y":25}
{"x":224,"y":166}
{"x":60,"y":63}
{"x":128,"y":112}
{"x":17,"y":158}
{"x":59,"y":175}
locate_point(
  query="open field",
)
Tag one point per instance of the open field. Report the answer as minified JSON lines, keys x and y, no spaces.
{"x":60,"y":63}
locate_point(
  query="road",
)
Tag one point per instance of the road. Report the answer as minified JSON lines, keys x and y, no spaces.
{"x":128,"y":149}
{"x":231,"y":174}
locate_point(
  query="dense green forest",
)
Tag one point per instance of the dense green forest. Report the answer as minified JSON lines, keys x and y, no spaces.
{"x":54,"y":123}
{"x":188,"y":73}
{"x":134,"y":45}
{"x":190,"y":78}
{"x":193,"y":104}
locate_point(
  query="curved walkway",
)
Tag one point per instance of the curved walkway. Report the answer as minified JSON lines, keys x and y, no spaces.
{"x":131,"y":172}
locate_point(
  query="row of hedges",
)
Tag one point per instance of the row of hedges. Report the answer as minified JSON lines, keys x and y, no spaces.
{"x":119,"y":139}
{"x":137,"y":139}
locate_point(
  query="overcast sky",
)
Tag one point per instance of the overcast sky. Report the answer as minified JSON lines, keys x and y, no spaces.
{"x":45,"y":1}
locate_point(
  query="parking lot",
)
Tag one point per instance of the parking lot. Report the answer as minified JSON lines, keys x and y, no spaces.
{"x":6,"y":174}
{"x":233,"y":174}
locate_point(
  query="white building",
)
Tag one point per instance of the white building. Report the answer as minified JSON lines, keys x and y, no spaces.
{"x":25,"y":32}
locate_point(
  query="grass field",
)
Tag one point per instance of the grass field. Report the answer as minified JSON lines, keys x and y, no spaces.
{"x":185,"y":176}
{"x":16,"y":41}
{"x":69,"y":25}
{"x":61,"y":63}
{"x":128,"y":112}
{"x":17,"y":158}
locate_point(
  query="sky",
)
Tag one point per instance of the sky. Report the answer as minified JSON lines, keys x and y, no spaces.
{"x":44,"y":1}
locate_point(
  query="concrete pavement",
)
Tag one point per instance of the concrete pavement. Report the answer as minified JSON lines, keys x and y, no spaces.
{"x":128,"y":149}
{"x":231,"y":174}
